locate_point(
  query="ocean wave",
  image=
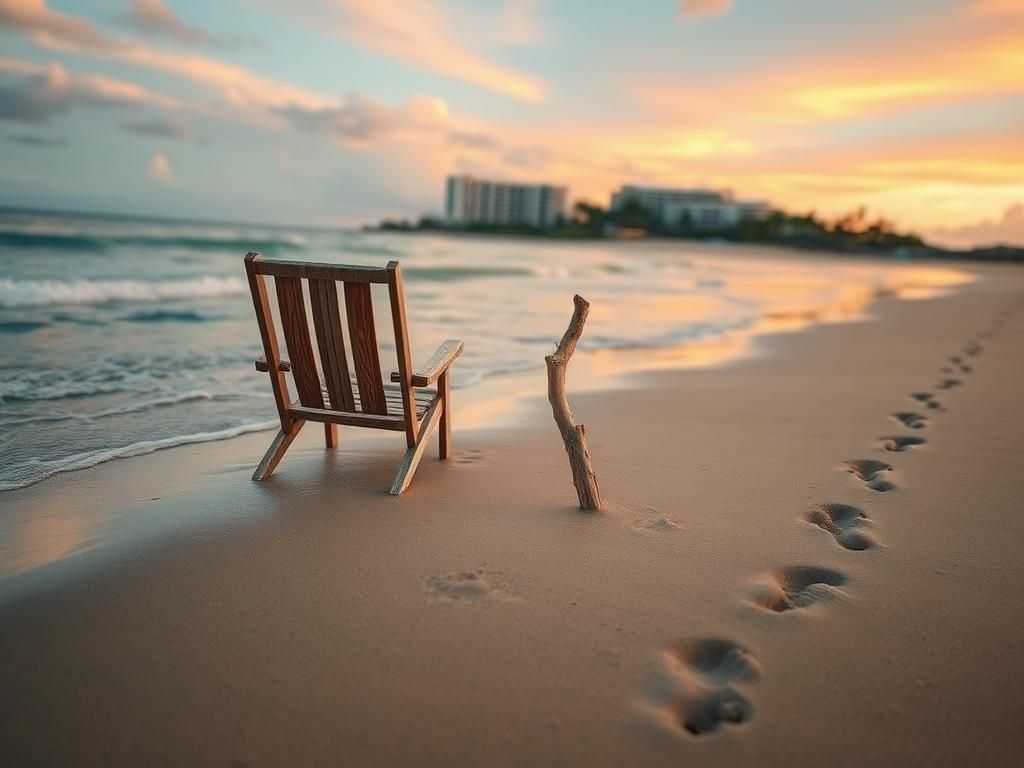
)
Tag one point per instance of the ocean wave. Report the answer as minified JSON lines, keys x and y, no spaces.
{"x":76,"y":242}
{"x":170,"y":316}
{"x":8,"y":420}
{"x":20,"y":326}
{"x":36,"y":293}
{"x":35,"y":470}
{"x":151,"y":375}
{"x":451,"y":274}
{"x":369,"y":249}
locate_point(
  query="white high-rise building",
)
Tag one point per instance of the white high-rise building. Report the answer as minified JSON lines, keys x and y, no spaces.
{"x":699,"y":209}
{"x":474,"y":201}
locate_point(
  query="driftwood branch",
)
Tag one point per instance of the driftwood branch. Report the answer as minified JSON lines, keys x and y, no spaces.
{"x":573,"y":435}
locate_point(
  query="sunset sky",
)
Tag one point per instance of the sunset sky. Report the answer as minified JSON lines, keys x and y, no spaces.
{"x":345,"y":111}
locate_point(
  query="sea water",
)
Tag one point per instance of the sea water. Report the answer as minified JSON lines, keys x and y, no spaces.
{"x":122,"y":336}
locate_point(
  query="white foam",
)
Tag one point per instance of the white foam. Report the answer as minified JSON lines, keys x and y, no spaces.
{"x":132,"y":407}
{"x":38,"y":293}
{"x":33,"y":471}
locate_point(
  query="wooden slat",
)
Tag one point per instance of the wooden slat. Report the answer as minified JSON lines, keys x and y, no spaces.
{"x":397,"y":296}
{"x":325,"y":416}
{"x":363,"y":335}
{"x":422,"y":398}
{"x":292,"y":307}
{"x":345,"y":273}
{"x":265,"y":321}
{"x":330,"y":339}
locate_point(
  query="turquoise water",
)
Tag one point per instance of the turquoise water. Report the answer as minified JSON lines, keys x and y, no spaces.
{"x":122,"y":336}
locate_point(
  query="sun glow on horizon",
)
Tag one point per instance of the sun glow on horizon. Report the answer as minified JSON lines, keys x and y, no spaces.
{"x":352,"y":110}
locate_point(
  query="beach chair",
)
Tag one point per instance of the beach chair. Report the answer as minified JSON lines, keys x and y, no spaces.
{"x":332,"y":395}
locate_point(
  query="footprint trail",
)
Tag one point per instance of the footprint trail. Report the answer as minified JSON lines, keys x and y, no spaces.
{"x":695,"y":690}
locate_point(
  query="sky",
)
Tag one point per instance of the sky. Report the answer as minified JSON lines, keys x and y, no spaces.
{"x":346,"y":111}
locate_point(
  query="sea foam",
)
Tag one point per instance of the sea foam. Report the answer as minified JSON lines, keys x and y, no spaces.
{"x":37,"y":293}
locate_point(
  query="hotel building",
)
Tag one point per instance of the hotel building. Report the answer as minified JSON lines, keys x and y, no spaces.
{"x":474,"y":201}
{"x":699,"y":209}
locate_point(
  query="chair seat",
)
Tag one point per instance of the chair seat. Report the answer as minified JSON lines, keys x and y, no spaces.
{"x":393,"y":397}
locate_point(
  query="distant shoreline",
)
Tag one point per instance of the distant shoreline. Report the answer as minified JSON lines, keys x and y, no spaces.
{"x":995,"y":253}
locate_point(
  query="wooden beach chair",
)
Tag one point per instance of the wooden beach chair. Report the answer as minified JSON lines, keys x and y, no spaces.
{"x":331,"y":395}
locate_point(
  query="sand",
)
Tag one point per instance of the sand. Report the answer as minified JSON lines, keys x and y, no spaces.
{"x":783,"y":577}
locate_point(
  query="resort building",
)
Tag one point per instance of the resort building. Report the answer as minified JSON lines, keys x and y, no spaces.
{"x":691,"y":209}
{"x":475,"y":201}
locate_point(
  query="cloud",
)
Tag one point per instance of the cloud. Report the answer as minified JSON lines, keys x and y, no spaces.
{"x":61,"y":31}
{"x":159,"y":168}
{"x":362,"y":120}
{"x":989,"y":8}
{"x":693,"y":9}
{"x":419,"y":33}
{"x":38,"y":142}
{"x":1009,"y":230}
{"x":163,"y":127}
{"x":154,"y":18}
{"x":45,"y":92}
{"x":473,"y":140}
{"x":846,"y":86}
{"x":36,"y":20}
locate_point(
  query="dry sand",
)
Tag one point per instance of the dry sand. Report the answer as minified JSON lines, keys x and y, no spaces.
{"x":742,"y":573}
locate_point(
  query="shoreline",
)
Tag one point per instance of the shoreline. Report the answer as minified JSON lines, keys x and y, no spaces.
{"x":481,"y":619}
{"x":995,"y":253}
{"x":603,"y":367}
{"x":494,"y":408}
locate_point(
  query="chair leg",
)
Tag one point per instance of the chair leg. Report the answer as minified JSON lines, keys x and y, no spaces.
{"x":331,"y":435}
{"x":276,"y":451}
{"x":412,"y":456}
{"x":444,"y":435}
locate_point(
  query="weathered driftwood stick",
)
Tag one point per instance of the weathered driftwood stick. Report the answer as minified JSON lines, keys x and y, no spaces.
{"x":573,"y":435}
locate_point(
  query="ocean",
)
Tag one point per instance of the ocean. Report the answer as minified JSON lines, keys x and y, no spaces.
{"x":121,"y":336}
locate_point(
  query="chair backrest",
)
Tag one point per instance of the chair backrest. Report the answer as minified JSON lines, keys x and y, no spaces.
{"x":369,"y":402}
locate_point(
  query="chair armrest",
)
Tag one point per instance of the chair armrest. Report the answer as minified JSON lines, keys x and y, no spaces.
{"x":264,"y":366}
{"x":435,"y":366}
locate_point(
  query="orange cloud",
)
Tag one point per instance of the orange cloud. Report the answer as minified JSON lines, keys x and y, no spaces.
{"x":417,"y":32}
{"x":844,"y":86}
{"x":159,"y":169}
{"x":1009,"y":229}
{"x":990,"y":8}
{"x":701,"y":8}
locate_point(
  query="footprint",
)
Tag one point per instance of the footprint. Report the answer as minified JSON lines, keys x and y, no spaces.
{"x":469,"y":586}
{"x":799,"y":586}
{"x":845,"y":523}
{"x":911,"y":419}
{"x":869,"y":471}
{"x":695,"y":688}
{"x":949,"y":383}
{"x":959,"y":363}
{"x":658,"y":524}
{"x":470,"y":456}
{"x":927,"y":399}
{"x":973,"y":349}
{"x":901,"y":443}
